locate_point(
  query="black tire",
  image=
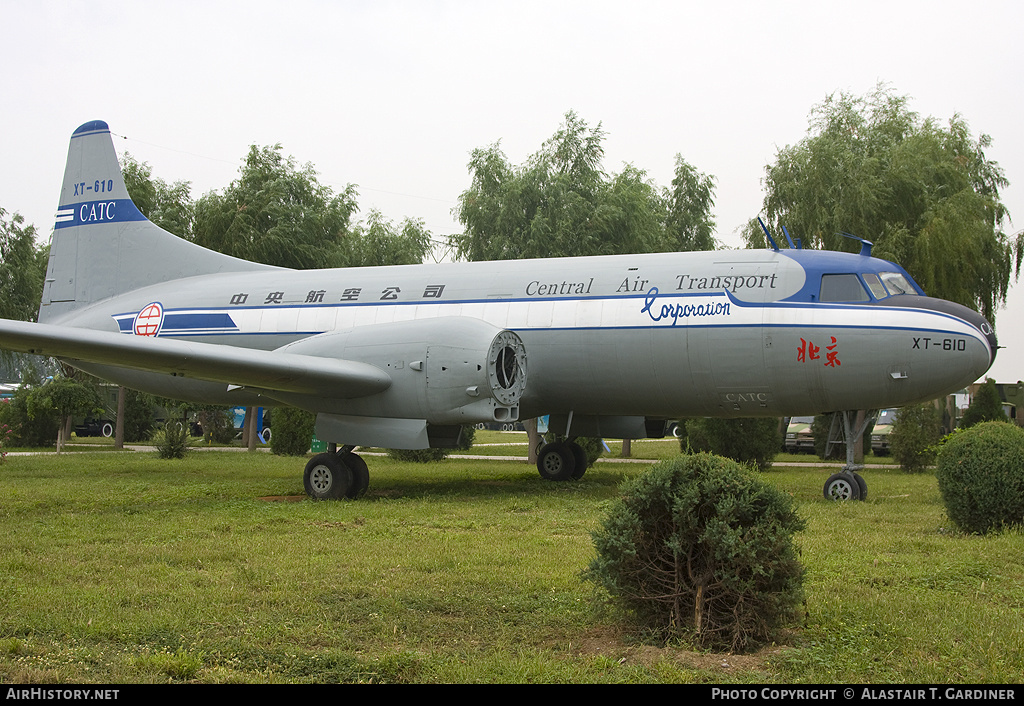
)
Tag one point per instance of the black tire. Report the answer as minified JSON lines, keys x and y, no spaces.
{"x":579,"y":459}
{"x":863,"y":486}
{"x":556,"y":462}
{"x":360,"y":476}
{"x":107,"y":429}
{"x":842,"y":486}
{"x":326,"y":477}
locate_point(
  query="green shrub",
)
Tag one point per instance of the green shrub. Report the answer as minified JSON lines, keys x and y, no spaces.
{"x":753,"y":440}
{"x":419,"y":455}
{"x":138,"y":415}
{"x":172,"y":440}
{"x":985,"y":407}
{"x":914,"y":434}
{"x":32,"y":430}
{"x":701,"y":547}
{"x":981,"y":477}
{"x":466,"y":437}
{"x":218,"y":425}
{"x":292,"y":431}
{"x":694,"y":437}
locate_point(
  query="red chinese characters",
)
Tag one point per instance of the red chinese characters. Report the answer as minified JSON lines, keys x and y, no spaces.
{"x":807,"y":351}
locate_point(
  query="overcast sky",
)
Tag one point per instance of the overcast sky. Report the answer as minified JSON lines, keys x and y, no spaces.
{"x":393,"y":96}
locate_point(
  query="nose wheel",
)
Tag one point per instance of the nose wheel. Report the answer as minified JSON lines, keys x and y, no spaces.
{"x":846,"y":486}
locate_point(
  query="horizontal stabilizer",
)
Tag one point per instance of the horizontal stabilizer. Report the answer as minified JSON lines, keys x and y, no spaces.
{"x":269,"y":370}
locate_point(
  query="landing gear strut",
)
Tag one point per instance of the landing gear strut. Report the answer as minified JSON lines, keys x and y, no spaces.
{"x":848,"y":484}
{"x":562,"y":460}
{"x":335,"y":475}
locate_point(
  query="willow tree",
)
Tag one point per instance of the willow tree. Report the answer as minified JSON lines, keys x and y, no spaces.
{"x":277,"y":213}
{"x":562,"y":203}
{"x":922,"y":190}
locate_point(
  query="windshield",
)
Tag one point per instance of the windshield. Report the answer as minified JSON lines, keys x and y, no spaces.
{"x":896,"y":283}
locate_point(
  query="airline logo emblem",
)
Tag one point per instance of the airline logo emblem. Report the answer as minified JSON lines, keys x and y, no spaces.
{"x":149,"y":320}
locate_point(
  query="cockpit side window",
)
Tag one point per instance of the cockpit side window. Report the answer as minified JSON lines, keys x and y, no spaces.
{"x":842,"y":288}
{"x":874,"y":284}
{"x":896,"y":283}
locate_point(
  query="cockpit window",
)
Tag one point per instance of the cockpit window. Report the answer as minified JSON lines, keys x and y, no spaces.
{"x":842,"y":288}
{"x":878,"y":290}
{"x":896,"y":283}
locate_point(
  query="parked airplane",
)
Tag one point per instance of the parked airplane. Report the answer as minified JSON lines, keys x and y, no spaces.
{"x":401,"y":357}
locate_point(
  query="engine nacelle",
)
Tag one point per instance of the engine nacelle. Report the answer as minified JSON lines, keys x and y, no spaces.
{"x":448,"y":370}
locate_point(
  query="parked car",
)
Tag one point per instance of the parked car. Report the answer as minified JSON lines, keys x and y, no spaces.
{"x":799,"y":438}
{"x":880,"y":434}
{"x":95,"y":427}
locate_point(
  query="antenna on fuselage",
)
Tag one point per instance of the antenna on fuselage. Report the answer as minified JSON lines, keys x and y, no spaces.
{"x":771,"y":240}
{"x":798,"y":246}
{"x":865,"y":245}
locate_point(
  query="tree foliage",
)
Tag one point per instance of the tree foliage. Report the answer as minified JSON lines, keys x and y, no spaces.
{"x":65,"y":397}
{"x":293,"y":431}
{"x":378,"y":241}
{"x":169,"y":206}
{"x":925,"y":193}
{"x":985,"y":406}
{"x":32,"y":430}
{"x":22,"y":268}
{"x":754,"y":440}
{"x":276,"y":213}
{"x":562,"y":203}
{"x":916,"y":431}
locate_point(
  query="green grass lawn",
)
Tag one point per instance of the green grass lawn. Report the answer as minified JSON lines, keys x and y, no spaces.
{"x":124,"y":568}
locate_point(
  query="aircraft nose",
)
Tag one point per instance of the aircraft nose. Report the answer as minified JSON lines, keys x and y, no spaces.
{"x":990,"y":333}
{"x":979,"y":322}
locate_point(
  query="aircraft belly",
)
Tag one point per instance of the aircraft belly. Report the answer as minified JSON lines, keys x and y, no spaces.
{"x":608,"y":372}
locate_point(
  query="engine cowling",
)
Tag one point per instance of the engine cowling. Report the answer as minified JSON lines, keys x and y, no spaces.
{"x":448,"y":370}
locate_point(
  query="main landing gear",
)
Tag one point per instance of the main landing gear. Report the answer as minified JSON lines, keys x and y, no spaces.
{"x":336,"y":474}
{"x":562,"y":460}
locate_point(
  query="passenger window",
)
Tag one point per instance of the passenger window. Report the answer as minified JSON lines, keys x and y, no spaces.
{"x":875,"y":285}
{"x":842,"y":288}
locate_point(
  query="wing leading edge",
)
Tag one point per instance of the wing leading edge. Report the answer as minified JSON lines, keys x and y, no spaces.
{"x":243,"y":367}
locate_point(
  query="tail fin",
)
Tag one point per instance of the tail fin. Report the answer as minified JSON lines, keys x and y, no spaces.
{"x":102,"y":244}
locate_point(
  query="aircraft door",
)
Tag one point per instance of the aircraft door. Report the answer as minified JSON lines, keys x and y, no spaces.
{"x":736,"y":345}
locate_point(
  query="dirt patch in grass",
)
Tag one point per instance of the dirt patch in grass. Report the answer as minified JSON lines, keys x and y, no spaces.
{"x":610,"y":643}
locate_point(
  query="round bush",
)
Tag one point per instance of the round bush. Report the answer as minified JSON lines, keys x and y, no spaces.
{"x":293,"y":431}
{"x":753,"y":440}
{"x":981,"y":477}
{"x":700,"y":546}
{"x":467,"y":435}
{"x":914,"y":435}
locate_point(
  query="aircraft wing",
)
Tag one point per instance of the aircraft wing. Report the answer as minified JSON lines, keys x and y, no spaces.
{"x":244,"y":367}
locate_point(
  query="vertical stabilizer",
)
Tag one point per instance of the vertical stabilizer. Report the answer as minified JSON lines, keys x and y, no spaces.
{"x":102,"y":244}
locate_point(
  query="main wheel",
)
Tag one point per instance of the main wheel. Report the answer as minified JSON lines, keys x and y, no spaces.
{"x":326,"y":477}
{"x":863,"y":484}
{"x":579,"y":459}
{"x":556,"y":461}
{"x":842,"y":486}
{"x":360,"y":476}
